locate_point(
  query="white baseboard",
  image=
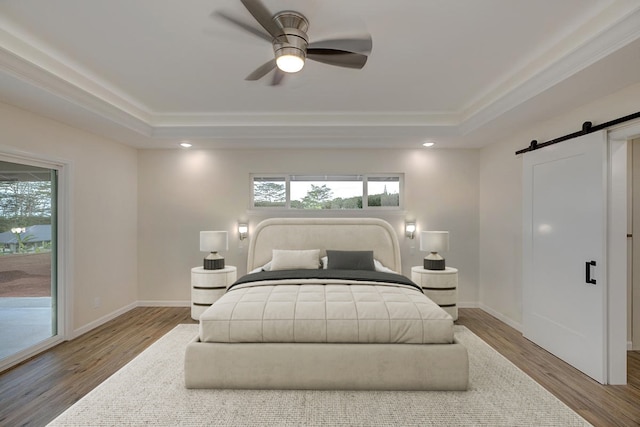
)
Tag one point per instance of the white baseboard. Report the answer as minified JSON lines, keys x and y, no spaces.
{"x":515,"y":325}
{"x":164,"y":303}
{"x":104,"y":319}
{"x":468,"y":305}
{"x":629,"y":345}
{"x":17,"y":358}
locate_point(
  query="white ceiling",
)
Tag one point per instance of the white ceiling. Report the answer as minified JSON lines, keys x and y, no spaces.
{"x":462,"y":73}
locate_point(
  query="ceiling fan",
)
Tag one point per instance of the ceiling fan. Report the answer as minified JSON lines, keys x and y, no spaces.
{"x":287,"y":32}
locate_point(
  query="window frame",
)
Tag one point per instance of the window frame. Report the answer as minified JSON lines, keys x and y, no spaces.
{"x":287,"y":178}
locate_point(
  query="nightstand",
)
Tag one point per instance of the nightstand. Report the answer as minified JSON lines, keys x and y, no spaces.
{"x":207,"y":286}
{"x":441,"y":286}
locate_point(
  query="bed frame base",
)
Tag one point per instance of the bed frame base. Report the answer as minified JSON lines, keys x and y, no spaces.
{"x":324,"y":366}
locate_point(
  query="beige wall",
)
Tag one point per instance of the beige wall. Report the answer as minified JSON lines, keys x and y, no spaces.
{"x":103,"y":206}
{"x":500,"y":219}
{"x":184,"y":191}
{"x":137,"y":243}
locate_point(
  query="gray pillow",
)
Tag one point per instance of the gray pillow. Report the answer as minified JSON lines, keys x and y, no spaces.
{"x":350,"y":260}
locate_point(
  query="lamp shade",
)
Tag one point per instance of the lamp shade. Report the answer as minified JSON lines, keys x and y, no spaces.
{"x":213,"y":241}
{"x":434,"y":241}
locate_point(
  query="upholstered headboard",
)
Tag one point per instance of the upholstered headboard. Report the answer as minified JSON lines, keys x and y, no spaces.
{"x":324,"y":233}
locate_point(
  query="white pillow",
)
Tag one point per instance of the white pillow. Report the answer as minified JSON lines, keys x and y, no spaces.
{"x":379,"y":267}
{"x":265,"y":267}
{"x":283,"y":259}
{"x":377,"y":264}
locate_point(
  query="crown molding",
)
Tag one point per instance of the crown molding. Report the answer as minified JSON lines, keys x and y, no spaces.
{"x":26,"y":63}
{"x":317,"y":132}
{"x":387,"y":118}
{"x":596,"y":41}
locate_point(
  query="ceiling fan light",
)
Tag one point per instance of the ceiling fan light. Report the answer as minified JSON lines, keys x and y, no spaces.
{"x":290,"y":63}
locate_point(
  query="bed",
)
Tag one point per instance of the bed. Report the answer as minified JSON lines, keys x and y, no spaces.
{"x":333,"y":325}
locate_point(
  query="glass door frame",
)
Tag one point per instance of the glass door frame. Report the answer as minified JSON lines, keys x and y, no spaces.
{"x":62,"y":302}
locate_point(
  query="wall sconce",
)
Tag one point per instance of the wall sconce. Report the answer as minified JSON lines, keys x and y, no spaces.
{"x":243,"y":230}
{"x":434,"y":242}
{"x":410,"y":229}
{"x":213,"y":242}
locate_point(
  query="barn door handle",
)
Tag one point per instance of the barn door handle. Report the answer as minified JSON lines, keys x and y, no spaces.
{"x":587,"y":273}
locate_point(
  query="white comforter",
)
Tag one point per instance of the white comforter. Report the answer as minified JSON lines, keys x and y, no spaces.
{"x":327,"y":313}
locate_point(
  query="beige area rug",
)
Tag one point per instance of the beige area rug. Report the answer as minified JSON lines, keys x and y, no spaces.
{"x":150,"y":391}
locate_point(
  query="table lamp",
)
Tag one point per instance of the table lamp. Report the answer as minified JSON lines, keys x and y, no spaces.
{"x":213,"y":242}
{"x":434,"y":242}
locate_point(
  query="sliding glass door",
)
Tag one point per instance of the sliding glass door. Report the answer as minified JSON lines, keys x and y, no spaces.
{"x":28,"y":288}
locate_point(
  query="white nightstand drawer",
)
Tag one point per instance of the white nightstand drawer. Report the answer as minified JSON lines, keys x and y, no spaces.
{"x":436,"y":281}
{"x":213,"y":280}
{"x":435,"y":278}
{"x":206,"y":296}
{"x":448,"y":297}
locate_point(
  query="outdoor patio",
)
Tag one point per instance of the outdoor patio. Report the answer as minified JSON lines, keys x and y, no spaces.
{"x":23,"y":323}
{"x":25,"y":301}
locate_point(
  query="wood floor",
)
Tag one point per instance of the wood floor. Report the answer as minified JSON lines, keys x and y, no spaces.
{"x":600,"y":405}
{"x":37,"y":391}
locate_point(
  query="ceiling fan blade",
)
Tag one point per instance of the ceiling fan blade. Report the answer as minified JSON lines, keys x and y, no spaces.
{"x":277,"y":77}
{"x":264,"y":17}
{"x":255,"y":31}
{"x":262,"y":70}
{"x":339,"y":58}
{"x":359,"y":45}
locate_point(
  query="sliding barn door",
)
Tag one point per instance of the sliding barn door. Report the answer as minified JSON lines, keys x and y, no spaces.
{"x":564,"y":258}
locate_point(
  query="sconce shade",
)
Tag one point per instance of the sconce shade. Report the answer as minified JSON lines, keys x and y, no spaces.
{"x":409,"y":229}
{"x":434,"y":242}
{"x":213,"y":241}
{"x":243,"y":230}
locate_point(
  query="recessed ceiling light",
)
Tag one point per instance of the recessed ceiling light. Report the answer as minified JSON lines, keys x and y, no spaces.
{"x":429,"y":144}
{"x":185,"y":144}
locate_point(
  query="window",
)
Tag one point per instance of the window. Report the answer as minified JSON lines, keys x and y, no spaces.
{"x":327,"y":192}
{"x":383,"y":191}
{"x":269,"y":192}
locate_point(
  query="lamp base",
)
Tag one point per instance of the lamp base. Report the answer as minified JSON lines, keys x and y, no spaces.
{"x":213,"y":261}
{"x":434,"y":261}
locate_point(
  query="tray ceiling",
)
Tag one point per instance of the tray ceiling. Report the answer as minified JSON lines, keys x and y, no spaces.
{"x":150,"y":73}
